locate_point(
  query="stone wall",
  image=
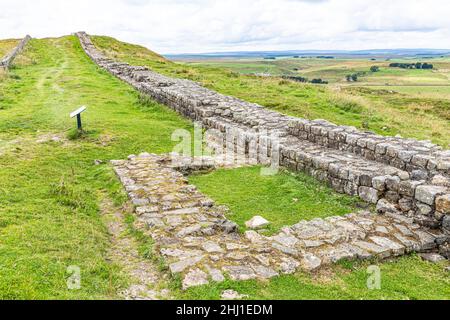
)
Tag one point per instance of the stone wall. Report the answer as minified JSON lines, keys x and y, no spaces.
{"x":201,"y":245}
{"x":9,"y":58}
{"x":398,"y":175}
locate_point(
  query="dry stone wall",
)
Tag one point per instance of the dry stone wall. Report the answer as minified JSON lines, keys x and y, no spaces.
{"x":400,"y":176}
{"x":9,"y":58}
{"x":200,"y":244}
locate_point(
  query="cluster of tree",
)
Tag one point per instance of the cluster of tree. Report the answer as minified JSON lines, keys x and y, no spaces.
{"x":270,"y":58}
{"x":352,"y":77}
{"x":374,"y":68}
{"x":417,"y":65}
{"x":319,"y":81}
{"x":325,"y":57}
{"x":304,"y":80}
{"x":295,"y":78}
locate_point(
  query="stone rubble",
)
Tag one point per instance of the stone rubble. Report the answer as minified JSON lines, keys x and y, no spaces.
{"x":198,"y":242}
{"x":232,"y":295}
{"x":401,"y":176}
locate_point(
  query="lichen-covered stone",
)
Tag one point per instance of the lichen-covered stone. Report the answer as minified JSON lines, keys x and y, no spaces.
{"x":195,"y":278}
{"x":443,"y":204}
{"x":368,"y":194}
{"x":427,"y":194}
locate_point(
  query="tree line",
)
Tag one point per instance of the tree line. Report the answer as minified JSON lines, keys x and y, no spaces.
{"x":417,"y":65}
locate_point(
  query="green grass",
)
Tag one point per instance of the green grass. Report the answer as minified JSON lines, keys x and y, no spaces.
{"x":333,"y":102}
{"x":247,"y":194}
{"x":50,"y":192}
{"x":283,"y":199}
{"x":408,"y":278}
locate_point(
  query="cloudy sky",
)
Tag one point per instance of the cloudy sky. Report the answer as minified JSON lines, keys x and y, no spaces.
{"x":180,"y":26}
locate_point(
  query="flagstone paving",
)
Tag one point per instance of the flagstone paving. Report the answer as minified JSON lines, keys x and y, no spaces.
{"x":202,"y":245}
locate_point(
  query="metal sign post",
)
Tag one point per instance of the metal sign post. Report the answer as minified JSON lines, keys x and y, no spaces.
{"x":77,"y":113}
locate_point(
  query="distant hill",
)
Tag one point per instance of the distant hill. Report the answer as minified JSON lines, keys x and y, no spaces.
{"x":385,"y":53}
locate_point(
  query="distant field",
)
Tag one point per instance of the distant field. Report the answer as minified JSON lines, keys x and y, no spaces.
{"x":335,"y":70}
{"x":6,"y":46}
{"x":369,"y":104}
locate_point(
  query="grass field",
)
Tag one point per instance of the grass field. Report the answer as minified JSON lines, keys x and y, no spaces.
{"x":283,"y":199}
{"x":380,"y":110}
{"x":51,"y":191}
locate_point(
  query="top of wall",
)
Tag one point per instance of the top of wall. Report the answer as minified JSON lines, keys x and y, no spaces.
{"x":9,"y":58}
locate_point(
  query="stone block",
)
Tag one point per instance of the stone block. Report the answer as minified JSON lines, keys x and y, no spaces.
{"x":443,"y":204}
{"x":379,"y":183}
{"x":392,"y":183}
{"x":427,"y":193}
{"x":368,"y":194}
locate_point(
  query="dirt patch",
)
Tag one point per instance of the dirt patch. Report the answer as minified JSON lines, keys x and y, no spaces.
{"x":143,"y":273}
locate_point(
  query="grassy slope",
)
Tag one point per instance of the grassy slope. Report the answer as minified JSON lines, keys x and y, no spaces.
{"x":419,"y":118}
{"x":283,"y":199}
{"x":50,"y":192}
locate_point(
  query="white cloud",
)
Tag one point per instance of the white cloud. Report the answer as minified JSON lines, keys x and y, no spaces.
{"x":217,"y":25}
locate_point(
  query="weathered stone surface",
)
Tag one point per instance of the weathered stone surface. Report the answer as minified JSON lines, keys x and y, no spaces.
{"x":427,"y":194}
{"x":426,"y":240}
{"x":443,"y":204}
{"x":212,"y":247}
{"x":372,"y":248}
{"x":237,"y":273}
{"x":379,"y":183}
{"x":286,"y":240}
{"x":423,"y":209}
{"x":195,"y":278}
{"x":215,"y":274}
{"x":440,"y":180}
{"x":432,"y":257}
{"x":384,"y":206}
{"x":310,"y":262}
{"x":289,"y":265}
{"x":386,"y":243}
{"x":181,"y":265}
{"x":257,"y":222}
{"x":446,"y":222}
{"x":265,"y":272}
{"x":368,"y":194}
{"x":232,"y":295}
{"x":254,"y":237}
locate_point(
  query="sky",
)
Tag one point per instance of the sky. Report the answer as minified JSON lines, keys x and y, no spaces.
{"x":194,"y":26}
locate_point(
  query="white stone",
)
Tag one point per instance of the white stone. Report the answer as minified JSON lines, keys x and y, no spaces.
{"x":257,"y":222}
